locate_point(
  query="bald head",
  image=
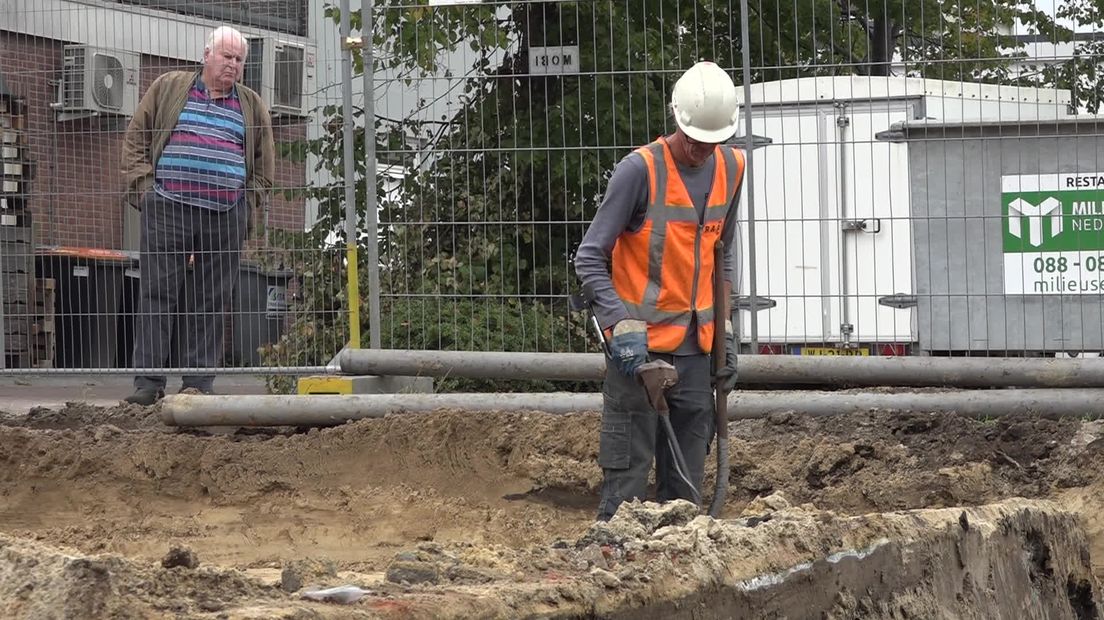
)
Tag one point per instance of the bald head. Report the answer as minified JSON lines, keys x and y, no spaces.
{"x":223,"y":60}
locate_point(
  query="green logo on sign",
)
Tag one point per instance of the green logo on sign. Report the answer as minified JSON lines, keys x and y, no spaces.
{"x":1053,"y":221}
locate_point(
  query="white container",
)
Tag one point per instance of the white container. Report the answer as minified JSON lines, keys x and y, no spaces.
{"x":832,"y":208}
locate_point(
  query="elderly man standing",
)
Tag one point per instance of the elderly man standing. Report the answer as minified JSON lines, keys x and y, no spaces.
{"x":198,"y":157}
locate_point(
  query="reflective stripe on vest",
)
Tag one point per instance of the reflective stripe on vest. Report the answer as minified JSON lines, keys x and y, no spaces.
{"x":663,"y":272}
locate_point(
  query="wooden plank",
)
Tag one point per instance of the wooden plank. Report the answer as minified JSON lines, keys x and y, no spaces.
{"x":45,"y":298}
{"x":16,"y":342}
{"x":17,"y":234}
{"x":43,"y":342}
{"x":18,"y":360}
{"x":43,"y":326}
{"x":14,"y":328}
{"x":16,"y":287}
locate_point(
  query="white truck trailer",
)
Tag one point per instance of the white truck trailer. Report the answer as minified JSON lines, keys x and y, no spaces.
{"x":833,"y":217}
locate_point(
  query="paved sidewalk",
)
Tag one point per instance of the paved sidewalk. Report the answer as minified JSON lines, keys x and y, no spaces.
{"x":18,"y":394}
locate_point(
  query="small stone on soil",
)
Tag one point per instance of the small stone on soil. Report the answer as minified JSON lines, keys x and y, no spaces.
{"x":412,"y":572}
{"x":298,"y":572}
{"x":180,"y":557}
{"x":605,"y":578}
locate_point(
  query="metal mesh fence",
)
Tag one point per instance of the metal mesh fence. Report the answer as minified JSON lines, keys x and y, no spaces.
{"x":923,"y":176}
{"x":150,"y":220}
{"x":888,"y":140}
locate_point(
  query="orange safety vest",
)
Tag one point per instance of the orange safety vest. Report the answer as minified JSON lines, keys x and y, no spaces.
{"x":663,"y":272}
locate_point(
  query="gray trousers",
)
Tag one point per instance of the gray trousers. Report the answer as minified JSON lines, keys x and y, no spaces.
{"x":173,"y":301}
{"x":632,"y":436}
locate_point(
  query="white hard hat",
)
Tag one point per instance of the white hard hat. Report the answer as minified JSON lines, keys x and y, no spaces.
{"x":704,"y":103}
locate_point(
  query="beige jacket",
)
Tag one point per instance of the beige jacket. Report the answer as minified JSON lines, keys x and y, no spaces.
{"x":156,"y":118}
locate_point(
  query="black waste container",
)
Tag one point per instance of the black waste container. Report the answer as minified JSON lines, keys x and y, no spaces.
{"x":128,"y":314}
{"x":89,"y":306}
{"x":259,"y":312}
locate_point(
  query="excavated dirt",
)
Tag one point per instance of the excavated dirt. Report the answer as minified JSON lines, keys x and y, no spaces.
{"x":108,"y":509}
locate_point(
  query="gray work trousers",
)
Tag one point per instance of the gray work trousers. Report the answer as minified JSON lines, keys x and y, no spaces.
{"x":191,"y":307}
{"x":632,"y":436}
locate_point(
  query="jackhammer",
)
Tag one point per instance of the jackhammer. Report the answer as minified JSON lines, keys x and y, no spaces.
{"x":721,"y":315}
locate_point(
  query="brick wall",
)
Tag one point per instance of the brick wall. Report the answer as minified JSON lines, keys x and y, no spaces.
{"x":77,"y":192}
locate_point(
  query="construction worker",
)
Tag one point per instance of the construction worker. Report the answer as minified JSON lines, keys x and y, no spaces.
{"x":646,"y":265}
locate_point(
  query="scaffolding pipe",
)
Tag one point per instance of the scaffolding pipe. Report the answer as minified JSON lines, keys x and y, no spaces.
{"x":331,"y":410}
{"x":239,"y":410}
{"x":961,"y":372}
{"x":474,"y":364}
{"x":1048,"y":403}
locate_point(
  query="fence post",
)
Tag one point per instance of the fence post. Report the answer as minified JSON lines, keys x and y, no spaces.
{"x":367,"y":18}
{"x":347,"y":137}
{"x":749,"y":179}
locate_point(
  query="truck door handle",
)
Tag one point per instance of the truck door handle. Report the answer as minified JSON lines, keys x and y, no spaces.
{"x":872,"y":225}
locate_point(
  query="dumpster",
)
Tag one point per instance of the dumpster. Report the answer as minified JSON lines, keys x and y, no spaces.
{"x":1008,"y":233}
{"x":259,"y":311}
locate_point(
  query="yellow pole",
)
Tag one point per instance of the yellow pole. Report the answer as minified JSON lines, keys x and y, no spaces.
{"x":353,"y":293}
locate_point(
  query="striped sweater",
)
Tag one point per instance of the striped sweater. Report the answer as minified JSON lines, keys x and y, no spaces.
{"x":203,"y":163}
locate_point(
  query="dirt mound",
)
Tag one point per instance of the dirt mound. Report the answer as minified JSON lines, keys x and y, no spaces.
{"x":390,"y":481}
{"x":37,"y":581}
{"x":115,"y":481}
{"x":77,"y":415}
{"x":877,"y":462}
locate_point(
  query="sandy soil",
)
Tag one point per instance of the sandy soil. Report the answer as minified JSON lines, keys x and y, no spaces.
{"x":116,"y":490}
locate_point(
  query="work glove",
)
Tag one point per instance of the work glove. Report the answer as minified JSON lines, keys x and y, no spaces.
{"x":629,"y":345}
{"x":726,"y":377}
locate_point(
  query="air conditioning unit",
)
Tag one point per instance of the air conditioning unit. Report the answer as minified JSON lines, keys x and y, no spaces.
{"x":282,"y":73}
{"x":97,"y":81}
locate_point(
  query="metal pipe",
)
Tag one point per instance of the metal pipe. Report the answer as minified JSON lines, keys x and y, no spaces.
{"x":1050,"y":403}
{"x":843,"y":214}
{"x":474,"y":365}
{"x":3,"y":320}
{"x":244,"y":370}
{"x":239,"y":410}
{"x":244,"y":410}
{"x":980,"y":372}
{"x":371,"y":212}
{"x":824,"y":211}
{"x":961,"y":372}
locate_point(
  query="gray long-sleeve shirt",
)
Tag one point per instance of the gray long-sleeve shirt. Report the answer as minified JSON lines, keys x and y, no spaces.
{"x":624,"y":207}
